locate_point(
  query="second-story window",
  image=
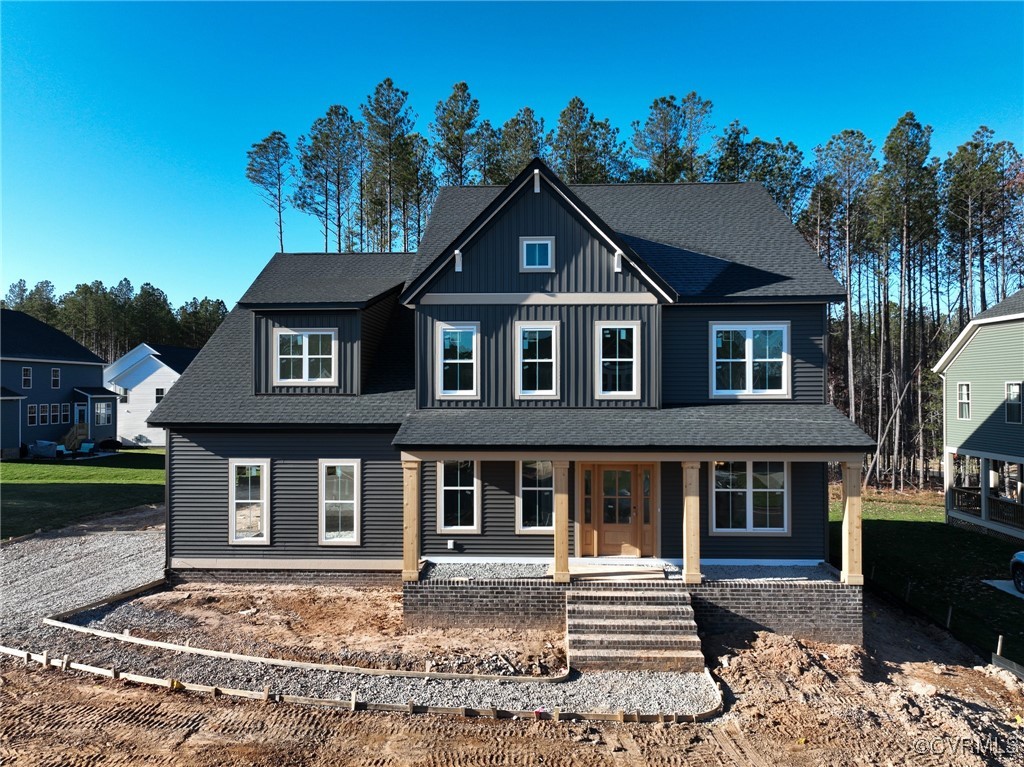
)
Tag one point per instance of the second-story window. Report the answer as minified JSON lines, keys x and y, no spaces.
{"x":1013,"y":402}
{"x":536,"y":360}
{"x":305,"y":356}
{"x":618,"y":360}
{"x":26,"y":378}
{"x":963,"y":402}
{"x":54,"y":378}
{"x":159,"y":396}
{"x":536,"y":254}
{"x":749,"y":360}
{"x":458,"y":350}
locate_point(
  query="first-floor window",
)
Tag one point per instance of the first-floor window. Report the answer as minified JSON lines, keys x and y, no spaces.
{"x":618,"y":360}
{"x":1013,"y":402}
{"x":458,"y":497}
{"x":44,"y":415}
{"x":536,"y":497}
{"x":963,"y":402}
{"x":749,"y":496}
{"x":54,"y":378}
{"x":54,"y":413}
{"x":104,"y":413}
{"x":249,"y":501}
{"x":159,"y":396}
{"x":339,"y":502}
{"x":65,"y":412}
{"x":31,"y":415}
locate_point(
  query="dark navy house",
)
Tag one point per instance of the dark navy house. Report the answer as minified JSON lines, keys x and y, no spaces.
{"x":561,"y":374}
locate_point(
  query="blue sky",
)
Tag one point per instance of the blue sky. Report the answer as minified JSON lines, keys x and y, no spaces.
{"x":125,"y":125}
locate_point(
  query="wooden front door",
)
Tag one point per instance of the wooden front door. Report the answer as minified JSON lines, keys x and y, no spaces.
{"x":618,"y":510}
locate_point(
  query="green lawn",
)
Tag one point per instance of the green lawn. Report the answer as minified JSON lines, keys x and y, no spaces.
{"x":44,"y":495}
{"x":906,"y":539}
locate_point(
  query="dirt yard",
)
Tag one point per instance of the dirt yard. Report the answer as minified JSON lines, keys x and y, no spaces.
{"x":912,"y":697}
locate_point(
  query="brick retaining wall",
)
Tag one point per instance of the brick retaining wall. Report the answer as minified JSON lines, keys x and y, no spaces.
{"x":354,"y":578}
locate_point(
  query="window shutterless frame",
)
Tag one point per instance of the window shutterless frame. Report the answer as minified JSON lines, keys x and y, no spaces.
{"x":750,"y":491}
{"x":617,"y":362}
{"x":54,"y":412}
{"x":538,"y":494}
{"x":340,"y":496}
{"x":103,"y":414}
{"x":65,"y":412}
{"x":30,"y":415}
{"x":454,"y":492}
{"x":457,"y":360}
{"x":54,"y":378}
{"x":536,"y":254}
{"x":305,"y":357}
{"x":536,"y":360}
{"x":1013,"y":406}
{"x":963,"y":401}
{"x":745,"y":358}
{"x":26,"y":378}
{"x":249,"y":501}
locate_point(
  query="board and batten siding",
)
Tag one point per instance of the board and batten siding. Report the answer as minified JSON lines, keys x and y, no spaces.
{"x":808,"y":538}
{"x":686,"y":348}
{"x":345,"y":322}
{"x":373,"y":325}
{"x":584,"y":263}
{"x":497,"y":537}
{"x":993,"y":356}
{"x":198,"y":491}
{"x":576,"y":351}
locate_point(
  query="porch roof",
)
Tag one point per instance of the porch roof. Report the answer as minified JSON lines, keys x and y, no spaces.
{"x":732,"y":427}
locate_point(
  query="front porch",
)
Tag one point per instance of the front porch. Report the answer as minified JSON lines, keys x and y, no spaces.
{"x":985,"y":491}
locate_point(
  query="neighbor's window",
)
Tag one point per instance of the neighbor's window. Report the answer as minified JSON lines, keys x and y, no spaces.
{"x":1013,"y":402}
{"x":536,"y":497}
{"x":963,"y":402}
{"x":750,"y":496}
{"x":159,"y":396}
{"x":65,"y":412}
{"x":749,"y":359}
{"x":54,"y":413}
{"x":26,"y":378}
{"x":249,"y":510}
{"x":339,"y":502}
{"x":457,"y":371}
{"x":31,"y":413}
{"x":54,"y":378}
{"x":618,"y":360}
{"x":304,"y":356}
{"x":536,"y":359}
{"x":44,"y":415}
{"x":458,"y":497}
{"x":536,"y":254}
{"x":104,"y":413}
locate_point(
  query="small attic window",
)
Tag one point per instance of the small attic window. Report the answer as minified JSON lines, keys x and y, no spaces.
{"x":536,"y":254}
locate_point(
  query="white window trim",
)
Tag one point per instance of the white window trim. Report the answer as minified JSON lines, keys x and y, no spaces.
{"x":966,"y":401}
{"x":264,"y":464}
{"x":31,"y":415}
{"x":473,"y":529}
{"x":159,"y":393}
{"x":305,"y":381}
{"x":54,"y":372}
{"x":524,"y":241}
{"x":26,"y":375}
{"x":749,"y":327}
{"x":43,"y":415}
{"x":65,"y":412}
{"x":357,"y":464}
{"x":1006,"y":400}
{"x":109,"y":416}
{"x":521,"y":529}
{"x":555,"y":328}
{"x":600,"y":325}
{"x":55,"y":412}
{"x":751,"y":531}
{"x":440,"y":393}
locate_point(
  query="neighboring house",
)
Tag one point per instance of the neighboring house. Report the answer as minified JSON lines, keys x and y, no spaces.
{"x":142,"y":377}
{"x":50,"y":382}
{"x":561,"y":374}
{"x":983,"y":423}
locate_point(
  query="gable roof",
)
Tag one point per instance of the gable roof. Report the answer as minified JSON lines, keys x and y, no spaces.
{"x":25,"y":337}
{"x":177,"y":358}
{"x":706,"y":241}
{"x":347,"y":280}
{"x":1009,"y":309}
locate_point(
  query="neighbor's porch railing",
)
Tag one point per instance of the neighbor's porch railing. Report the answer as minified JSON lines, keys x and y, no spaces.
{"x":1006,"y":512}
{"x":967,"y":501}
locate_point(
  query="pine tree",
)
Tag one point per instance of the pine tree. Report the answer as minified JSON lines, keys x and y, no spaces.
{"x":486,"y":156}
{"x":388,"y":122}
{"x":454,"y":131}
{"x":584,"y":150}
{"x":270,"y":170}
{"x":521,"y":140}
{"x":659,"y":141}
{"x":16,"y":295}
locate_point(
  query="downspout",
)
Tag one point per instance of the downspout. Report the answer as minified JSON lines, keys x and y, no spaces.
{"x":167,"y":501}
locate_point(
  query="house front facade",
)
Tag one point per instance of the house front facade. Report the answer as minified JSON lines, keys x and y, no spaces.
{"x":561,"y":375}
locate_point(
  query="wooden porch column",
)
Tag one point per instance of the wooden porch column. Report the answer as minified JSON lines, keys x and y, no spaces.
{"x":853,"y":565}
{"x":691,"y":522}
{"x":561,"y":573}
{"x":410,"y":520}
{"x":984,"y":486}
{"x":948,"y":475}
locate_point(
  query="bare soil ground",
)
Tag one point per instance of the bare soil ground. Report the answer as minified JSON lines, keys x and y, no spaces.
{"x":331,"y":624}
{"x":912,"y":696}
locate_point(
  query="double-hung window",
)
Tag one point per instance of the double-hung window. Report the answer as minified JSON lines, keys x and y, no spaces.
{"x":536,"y":499}
{"x":963,"y":402}
{"x":458,"y":497}
{"x":617,"y":373}
{"x":54,"y":413}
{"x":65,"y":412}
{"x":1013,"y":402}
{"x":750,"y":497}
{"x":536,"y":360}
{"x":26,"y":378}
{"x":305,"y":356}
{"x":44,"y":415}
{"x":536,"y":254}
{"x":249,"y":501}
{"x":339,"y":502}
{"x":104,"y":413}
{"x":54,"y":378}
{"x":458,"y":352}
{"x":31,"y":415}
{"x":159,"y":396}
{"x":749,"y":360}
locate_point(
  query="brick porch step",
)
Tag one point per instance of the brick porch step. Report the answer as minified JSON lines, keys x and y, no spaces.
{"x":646,"y":641}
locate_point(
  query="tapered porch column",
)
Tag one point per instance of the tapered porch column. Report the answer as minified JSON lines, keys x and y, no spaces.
{"x":691,"y":522}
{"x":410,"y":520}
{"x":561,"y":572}
{"x":853,"y":566}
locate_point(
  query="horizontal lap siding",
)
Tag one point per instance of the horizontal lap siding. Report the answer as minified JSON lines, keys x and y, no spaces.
{"x":686,"y":363}
{"x":199,"y":493}
{"x":345,"y":322}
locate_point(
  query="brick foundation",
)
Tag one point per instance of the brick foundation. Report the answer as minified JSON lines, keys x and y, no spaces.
{"x":354,"y":578}
{"x":524,"y":603}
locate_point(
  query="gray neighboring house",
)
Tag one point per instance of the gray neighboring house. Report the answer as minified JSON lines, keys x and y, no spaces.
{"x":983,"y":423}
{"x":561,"y":375}
{"x":49,"y":384}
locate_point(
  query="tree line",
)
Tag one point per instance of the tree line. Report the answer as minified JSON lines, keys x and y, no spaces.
{"x":111,"y":321}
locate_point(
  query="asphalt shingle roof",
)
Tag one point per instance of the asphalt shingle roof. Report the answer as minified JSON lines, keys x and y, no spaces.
{"x":744,"y":426}
{"x":28,"y":338}
{"x":1010,"y":305}
{"x":327,"y":278}
{"x":177,"y":358}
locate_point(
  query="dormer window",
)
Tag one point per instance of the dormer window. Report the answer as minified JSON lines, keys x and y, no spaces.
{"x":750,"y":360}
{"x":536,"y":254}
{"x":305,"y":356}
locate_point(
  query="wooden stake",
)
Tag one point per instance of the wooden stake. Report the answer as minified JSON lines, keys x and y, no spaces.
{"x":411,"y":707}
{"x":266,"y":693}
{"x":999,"y":646}
{"x":557,"y":714}
{"x":64,"y":663}
{"x":352,"y":703}
{"x":949,"y":616}
{"x":46,"y":659}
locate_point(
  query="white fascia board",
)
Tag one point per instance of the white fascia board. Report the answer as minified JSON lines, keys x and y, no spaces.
{"x":127,"y":361}
{"x":965,"y":336}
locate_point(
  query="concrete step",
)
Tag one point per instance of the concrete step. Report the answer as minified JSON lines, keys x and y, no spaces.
{"x":642,"y":643}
